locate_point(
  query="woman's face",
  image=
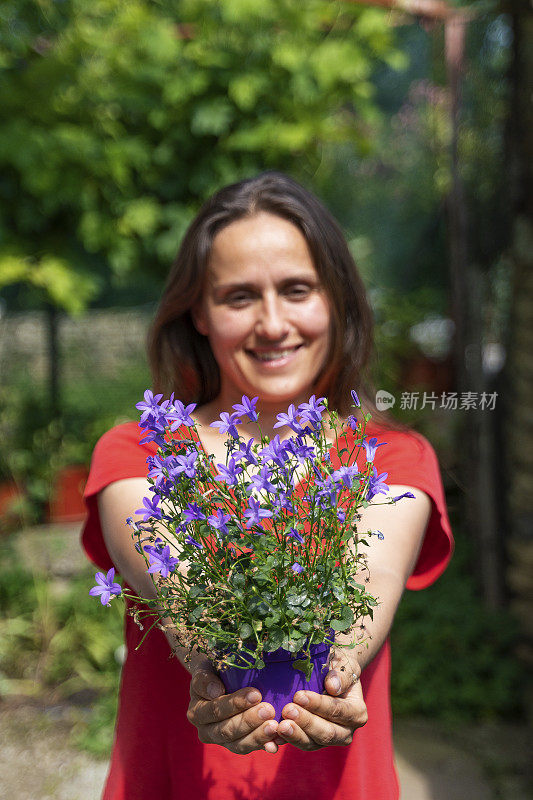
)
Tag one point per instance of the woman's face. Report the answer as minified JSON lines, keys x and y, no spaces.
{"x":264,"y":311}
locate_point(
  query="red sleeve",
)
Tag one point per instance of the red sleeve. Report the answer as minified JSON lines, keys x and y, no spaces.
{"x":410,"y":460}
{"x":117,"y":455}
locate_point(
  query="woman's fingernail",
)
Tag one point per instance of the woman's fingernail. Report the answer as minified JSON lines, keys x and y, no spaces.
{"x":213,"y":690}
{"x":335,"y":684}
{"x":253,"y":697}
{"x":264,"y":713}
{"x":302,"y":700}
{"x":270,"y":729}
{"x":289,"y":730}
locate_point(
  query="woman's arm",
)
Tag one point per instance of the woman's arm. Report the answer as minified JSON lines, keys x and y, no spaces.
{"x":390,"y":560}
{"x":238,"y":721}
{"x":313,"y":720}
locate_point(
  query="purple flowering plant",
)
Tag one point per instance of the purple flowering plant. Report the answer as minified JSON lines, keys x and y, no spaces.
{"x":262,"y":552}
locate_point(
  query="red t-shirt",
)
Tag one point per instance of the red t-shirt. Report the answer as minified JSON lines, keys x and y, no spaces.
{"x":157,"y":754}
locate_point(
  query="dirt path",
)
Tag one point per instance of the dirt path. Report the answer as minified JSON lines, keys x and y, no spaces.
{"x":38,"y":761}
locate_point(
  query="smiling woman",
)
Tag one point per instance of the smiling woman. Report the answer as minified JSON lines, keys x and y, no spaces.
{"x":263,"y":306}
{"x":293,"y":255}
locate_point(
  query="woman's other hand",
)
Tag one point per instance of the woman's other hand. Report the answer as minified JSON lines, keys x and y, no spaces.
{"x":314,"y":720}
{"x":240,"y":722}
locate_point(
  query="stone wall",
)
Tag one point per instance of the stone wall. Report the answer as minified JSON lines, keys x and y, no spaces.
{"x":100,"y":342}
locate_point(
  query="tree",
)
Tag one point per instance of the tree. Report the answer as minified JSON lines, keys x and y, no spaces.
{"x":120,"y":118}
{"x":519,"y":368}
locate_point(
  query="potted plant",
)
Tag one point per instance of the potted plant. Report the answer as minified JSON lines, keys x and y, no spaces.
{"x":270,"y":541}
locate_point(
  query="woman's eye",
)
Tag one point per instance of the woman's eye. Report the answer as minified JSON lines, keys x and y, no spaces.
{"x":238,"y":299}
{"x":298,"y":291}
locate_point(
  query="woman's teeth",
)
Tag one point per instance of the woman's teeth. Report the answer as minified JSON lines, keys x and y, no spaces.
{"x":274,"y":355}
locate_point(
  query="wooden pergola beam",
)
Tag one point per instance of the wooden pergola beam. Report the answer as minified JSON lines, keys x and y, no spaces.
{"x":436,"y":10}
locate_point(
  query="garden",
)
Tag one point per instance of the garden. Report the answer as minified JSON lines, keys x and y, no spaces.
{"x":144,"y":109}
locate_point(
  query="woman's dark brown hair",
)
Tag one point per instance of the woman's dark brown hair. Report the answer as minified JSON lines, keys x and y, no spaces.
{"x":181,"y":359}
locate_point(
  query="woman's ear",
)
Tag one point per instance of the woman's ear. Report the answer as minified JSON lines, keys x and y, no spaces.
{"x":198,"y":318}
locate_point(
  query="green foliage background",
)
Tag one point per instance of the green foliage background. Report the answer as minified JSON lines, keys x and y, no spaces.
{"x":118,"y":119}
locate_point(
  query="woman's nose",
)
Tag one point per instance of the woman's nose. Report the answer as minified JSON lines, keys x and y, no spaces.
{"x":271,"y":322}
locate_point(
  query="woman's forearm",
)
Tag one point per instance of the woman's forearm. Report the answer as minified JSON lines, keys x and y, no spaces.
{"x":387,"y":588}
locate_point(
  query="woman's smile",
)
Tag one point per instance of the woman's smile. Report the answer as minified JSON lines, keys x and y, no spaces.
{"x":274,"y":358}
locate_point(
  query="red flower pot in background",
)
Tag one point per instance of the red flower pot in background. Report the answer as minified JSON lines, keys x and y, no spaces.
{"x":66,"y":503}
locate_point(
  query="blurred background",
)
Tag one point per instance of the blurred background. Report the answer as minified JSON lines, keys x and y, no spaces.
{"x":117,"y":120}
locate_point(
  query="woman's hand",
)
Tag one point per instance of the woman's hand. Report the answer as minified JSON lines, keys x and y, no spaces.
{"x":240,"y":722}
{"x":314,"y":720}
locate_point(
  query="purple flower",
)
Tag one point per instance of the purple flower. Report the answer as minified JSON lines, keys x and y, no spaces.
{"x":150,"y":407}
{"x":356,"y":401}
{"x":345,"y":475}
{"x":254,"y":513}
{"x":401,"y":496}
{"x":245,"y":453}
{"x":161,"y":560}
{"x":154,"y":436}
{"x":158,"y":465}
{"x":313,"y":410}
{"x":300,"y":449}
{"x":352,"y":422}
{"x":341,"y":515}
{"x":282,"y":500}
{"x":297,"y":568}
{"x":185,"y":463}
{"x":105,"y":587}
{"x":378,"y":534}
{"x":153,"y":418}
{"x":293,"y":534}
{"x":247,"y":407}
{"x":371,"y":445}
{"x":228,"y":474}
{"x":151,"y":509}
{"x":261,"y":482}
{"x":227,"y":423}
{"x":290,"y":419}
{"x":218,"y":521}
{"x":376,"y":484}
{"x":276,"y":451}
{"x":192,"y":512}
{"x":190,"y":540}
{"x":181,"y":415}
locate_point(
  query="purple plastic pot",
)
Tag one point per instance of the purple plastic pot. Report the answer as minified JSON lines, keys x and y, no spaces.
{"x":278,"y":681}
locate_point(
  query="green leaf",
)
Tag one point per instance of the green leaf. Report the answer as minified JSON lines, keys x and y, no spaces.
{"x":245,"y":631}
{"x":275,"y":639}
{"x":345,"y":622}
{"x":238,"y":580}
{"x":272,"y":619}
{"x":298,"y":599}
{"x":305,"y":666}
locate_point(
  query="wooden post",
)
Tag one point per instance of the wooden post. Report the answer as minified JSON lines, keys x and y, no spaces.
{"x":52,"y":341}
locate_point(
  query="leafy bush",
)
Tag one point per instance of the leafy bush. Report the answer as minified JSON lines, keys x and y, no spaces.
{"x":453,"y":659}
{"x":55,"y":641}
